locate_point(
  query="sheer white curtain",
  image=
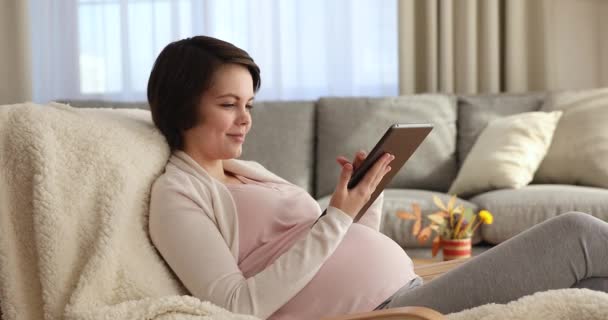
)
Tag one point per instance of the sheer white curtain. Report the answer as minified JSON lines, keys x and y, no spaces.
{"x":104,"y":49}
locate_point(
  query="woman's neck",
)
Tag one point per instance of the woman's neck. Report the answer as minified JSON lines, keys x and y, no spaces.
{"x":215,"y":168}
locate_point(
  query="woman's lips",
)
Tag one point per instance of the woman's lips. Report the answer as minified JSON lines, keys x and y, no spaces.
{"x":237,"y":137}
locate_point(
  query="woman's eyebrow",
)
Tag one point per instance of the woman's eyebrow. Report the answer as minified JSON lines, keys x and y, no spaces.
{"x":233,"y":96}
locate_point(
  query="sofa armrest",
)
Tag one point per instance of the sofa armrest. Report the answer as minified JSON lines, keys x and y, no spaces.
{"x":403,"y":313}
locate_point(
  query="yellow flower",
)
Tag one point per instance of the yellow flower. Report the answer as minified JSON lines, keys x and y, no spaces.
{"x":486,"y":217}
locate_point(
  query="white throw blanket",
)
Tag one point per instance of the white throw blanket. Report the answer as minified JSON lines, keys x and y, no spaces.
{"x":74,"y":188}
{"x":562,"y":304}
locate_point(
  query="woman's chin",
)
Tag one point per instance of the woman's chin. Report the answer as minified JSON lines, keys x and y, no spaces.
{"x":236,"y":153}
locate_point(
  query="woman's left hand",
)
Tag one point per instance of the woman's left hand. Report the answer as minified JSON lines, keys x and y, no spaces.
{"x":359,"y":157}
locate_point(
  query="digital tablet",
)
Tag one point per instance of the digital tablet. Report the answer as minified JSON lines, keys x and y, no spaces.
{"x":400,"y":140}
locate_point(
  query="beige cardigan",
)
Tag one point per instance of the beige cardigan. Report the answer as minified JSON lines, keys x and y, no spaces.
{"x":193,"y":224}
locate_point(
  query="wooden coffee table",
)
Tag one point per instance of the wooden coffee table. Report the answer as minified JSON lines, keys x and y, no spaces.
{"x":431,"y":270}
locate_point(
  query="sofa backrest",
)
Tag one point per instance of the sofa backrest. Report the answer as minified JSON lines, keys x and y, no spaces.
{"x":345,"y":125}
{"x":300,"y":140}
{"x":282,"y":139}
{"x":106,"y":104}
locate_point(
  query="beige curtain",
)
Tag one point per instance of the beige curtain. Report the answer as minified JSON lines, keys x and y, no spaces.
{"x":15,"y":61}
{"x":490,"y":46}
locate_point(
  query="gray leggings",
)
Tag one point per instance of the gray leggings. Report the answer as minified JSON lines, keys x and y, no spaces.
{"x":570,"y":250}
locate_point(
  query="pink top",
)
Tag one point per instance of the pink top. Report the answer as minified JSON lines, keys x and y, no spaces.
{"x":365,"y":269}
{"x":194,"y":225}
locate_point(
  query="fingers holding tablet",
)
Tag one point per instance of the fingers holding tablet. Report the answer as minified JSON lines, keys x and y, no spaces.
{"x":352,"y":200}
{"x":373,"y":177}
{"x":379,"y":177}
{"x":400,"y":140}
{"x":359,"y":158}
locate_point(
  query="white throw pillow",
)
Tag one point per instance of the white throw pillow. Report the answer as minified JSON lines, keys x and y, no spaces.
{"x":507,"y":153}
{"x":579,"y":151}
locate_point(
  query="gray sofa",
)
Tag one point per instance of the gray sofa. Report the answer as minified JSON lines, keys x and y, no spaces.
{"x":300,"y":141}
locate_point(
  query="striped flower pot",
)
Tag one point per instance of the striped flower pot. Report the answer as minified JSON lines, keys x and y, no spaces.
{"x":456,"y":249}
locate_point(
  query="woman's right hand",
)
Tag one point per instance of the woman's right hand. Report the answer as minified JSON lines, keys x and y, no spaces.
{"x":351,"y":201}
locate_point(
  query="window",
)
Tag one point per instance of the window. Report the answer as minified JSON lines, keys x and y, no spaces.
{"x":104,"y":49}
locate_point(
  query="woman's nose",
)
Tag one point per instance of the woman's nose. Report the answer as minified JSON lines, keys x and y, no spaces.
{"x":244,"y":116}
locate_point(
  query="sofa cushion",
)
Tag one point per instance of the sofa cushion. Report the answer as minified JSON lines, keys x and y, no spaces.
{"x":507,"y":153}
{"x":516,"y":210}
{"x":282,"y":140}
{"x":396,"y":200}
{"x":475,"y":112}
{"x":579,"y":151}
{"x":346,"y":125}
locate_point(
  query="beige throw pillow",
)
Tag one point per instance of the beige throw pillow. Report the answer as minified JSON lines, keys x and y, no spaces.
{"x":507,"y":153}
{"x":579,"y":151}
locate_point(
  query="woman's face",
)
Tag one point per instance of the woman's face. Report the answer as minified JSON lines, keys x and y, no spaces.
{"x":224,"y":111}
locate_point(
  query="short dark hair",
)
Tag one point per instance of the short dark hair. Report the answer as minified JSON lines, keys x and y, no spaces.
{"x":181,"y":73}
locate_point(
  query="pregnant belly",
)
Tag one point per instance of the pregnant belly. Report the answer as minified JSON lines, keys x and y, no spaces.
{"x":364,"y":270}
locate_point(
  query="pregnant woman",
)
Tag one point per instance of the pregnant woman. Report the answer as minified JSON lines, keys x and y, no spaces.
{"x":241,"y":237}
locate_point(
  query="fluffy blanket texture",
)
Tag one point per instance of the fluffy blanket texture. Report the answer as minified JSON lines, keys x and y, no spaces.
{"x":74,"y":241}
{"x":74,"y":244}
{"x":559,"y":304}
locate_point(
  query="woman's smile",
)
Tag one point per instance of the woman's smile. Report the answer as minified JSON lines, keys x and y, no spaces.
{"x":237,"y":137}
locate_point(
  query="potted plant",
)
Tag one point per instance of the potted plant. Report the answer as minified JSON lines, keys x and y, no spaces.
{"x":453,"y":226}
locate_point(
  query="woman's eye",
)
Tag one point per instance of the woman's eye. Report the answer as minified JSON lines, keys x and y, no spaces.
{"x":231,"y":105}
